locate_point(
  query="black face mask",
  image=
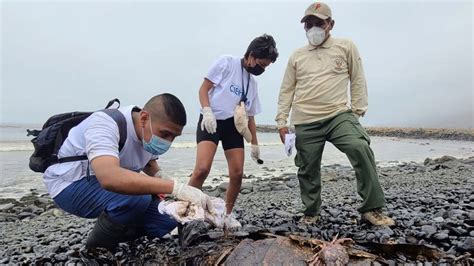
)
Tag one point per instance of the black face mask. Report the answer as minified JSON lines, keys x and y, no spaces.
{"x":256,"y":70}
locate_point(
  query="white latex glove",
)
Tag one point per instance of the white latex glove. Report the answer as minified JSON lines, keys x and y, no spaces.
{"x":185,"y":192}
{"x":230,"y":223}
{"x":208,"y":120}
{"x":255,"y":154}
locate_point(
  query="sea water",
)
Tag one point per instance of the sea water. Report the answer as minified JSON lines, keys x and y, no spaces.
{"x":16,"y":179}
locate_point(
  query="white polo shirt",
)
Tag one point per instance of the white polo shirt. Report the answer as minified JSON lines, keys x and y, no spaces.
{"x":226,"y":74}
{"x":96,"y":136}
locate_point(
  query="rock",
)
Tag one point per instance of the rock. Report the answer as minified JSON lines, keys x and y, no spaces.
{"x":213,"y":193}
{"x":279,"y":178}
{"x":24,"y":215}
{"x":7,"y":206}
{"x":438,"y":219}
{"x":245,"y":191}
{"x":456,"y":230}
{"x":360,"y":235}
{"x":385,"y":231}
{"x":279,"y":187}
{"x":281,"y":229}
{"x":248,"y":177}
{"x":43,"y":202}
{"x":223,"y":186}
{"x":264,"y":188}
{"x":370,"y":237}
{"x":8,"y":217}
{"x":61,"y":257}
{"x":441,"y":236}
{"x":283,"y":214}
{"x":247,"y":186}
{"x":334,"y":212}
{"x":428,"y":229}
{"x":467,"y":245}
{"x":291,"y":183}
{"x":33,"y":209}
{"x":411,"y":240}
{"x":26,"y":247}
{"x":456,"y":213}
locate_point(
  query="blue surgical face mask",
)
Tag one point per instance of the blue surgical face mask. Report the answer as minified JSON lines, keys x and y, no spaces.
{"x":157,"y":145}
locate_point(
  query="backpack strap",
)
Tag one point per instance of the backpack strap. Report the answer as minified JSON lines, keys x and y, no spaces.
{"x":111,"y":102}
{"x":119,"y":118}
{"x":72,"y":158}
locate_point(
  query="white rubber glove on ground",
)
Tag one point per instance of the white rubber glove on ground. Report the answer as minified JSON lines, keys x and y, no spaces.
{"x":208,"y":120}
{"x":181,"y":191}
{"x":231,"y":223}
{"x":255,"y":153}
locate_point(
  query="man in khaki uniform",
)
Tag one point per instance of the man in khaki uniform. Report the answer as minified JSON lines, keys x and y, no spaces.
{"x":315,"y":89}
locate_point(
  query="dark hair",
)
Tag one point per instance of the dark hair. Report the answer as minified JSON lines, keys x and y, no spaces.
{"x":263,"y":47}
{"x":171,"y":106}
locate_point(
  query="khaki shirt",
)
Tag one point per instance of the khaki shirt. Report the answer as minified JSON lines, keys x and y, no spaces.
{"x":315,"y":85}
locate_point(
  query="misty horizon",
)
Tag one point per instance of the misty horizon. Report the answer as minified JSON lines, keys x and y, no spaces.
{"x":75,"y":56}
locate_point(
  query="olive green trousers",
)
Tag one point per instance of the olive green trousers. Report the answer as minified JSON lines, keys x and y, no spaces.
{"x":347,"y":134}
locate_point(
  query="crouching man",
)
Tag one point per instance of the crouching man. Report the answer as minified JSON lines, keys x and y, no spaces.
{"x":109,"y":185}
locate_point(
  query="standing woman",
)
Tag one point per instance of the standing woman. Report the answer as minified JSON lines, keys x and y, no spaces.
{"x":230,"y":91}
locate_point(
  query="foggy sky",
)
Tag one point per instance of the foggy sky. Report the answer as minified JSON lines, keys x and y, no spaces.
{"x":65,"y":56}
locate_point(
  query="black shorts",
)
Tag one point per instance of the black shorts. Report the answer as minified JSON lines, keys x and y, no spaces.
{"x":226,"y":132}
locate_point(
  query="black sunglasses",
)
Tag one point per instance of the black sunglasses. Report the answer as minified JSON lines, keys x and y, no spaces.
{"x":308,"y":24}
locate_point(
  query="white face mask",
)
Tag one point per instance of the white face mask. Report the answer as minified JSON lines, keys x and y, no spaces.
{"x":315,"y":35}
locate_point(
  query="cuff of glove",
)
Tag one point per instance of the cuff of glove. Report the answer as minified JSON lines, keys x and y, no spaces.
{"x":176,"y":188}
{"x":207,"y":110}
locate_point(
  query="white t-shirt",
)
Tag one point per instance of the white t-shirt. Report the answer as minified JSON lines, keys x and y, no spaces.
{"x":226,"y":74}
{"x":96,"y":136}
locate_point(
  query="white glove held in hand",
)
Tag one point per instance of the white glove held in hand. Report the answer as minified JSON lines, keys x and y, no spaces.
{"x":230,"y":223}
{"x":185,"y":192}
{"x":255,"y":153}
{"x":208,"y":120}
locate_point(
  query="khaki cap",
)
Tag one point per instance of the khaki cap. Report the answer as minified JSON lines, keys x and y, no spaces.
{"x":241,"y":122}
{"x":318,"y":9}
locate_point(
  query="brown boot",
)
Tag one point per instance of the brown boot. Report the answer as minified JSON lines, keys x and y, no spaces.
{"x":307,"y":219}
{"x":376,"y":217}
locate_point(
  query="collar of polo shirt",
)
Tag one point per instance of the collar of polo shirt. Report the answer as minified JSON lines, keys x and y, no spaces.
{"x":327,"y":44}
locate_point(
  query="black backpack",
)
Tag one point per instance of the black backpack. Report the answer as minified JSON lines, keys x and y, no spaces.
{"x":49,"y":139}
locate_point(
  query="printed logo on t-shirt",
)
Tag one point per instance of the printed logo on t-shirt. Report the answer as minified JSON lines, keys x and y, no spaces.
{"x":235,"y":90}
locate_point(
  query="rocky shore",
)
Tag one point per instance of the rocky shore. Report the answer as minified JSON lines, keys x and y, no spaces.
{"x":432,"y":203}
{"x":399,"y":132}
